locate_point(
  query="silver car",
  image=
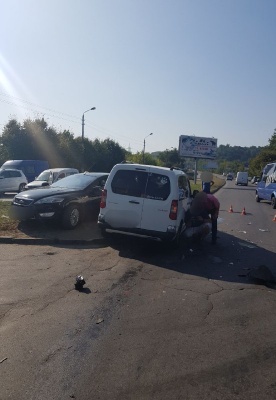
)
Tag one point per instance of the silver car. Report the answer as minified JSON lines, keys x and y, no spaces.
{"x":12,"y":180}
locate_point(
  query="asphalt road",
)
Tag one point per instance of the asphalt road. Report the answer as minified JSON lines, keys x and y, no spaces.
{"x":150,"y":324}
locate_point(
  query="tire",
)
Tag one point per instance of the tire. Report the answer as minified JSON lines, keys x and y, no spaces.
{"x":21,"y":187}
{"x":175,"y":243}
{"x":257,"y":198}
{"x":273,"y":202}
{"x":71,"y":217}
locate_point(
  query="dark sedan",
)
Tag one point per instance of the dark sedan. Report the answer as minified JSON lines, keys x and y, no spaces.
{"x":68,"y":200}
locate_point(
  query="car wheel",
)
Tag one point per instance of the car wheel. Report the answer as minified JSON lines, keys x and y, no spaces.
{"x":273,"y":202}
{"x":71,"y":217}
{"x":175,"y":243}
{"x":257,"y":198}
{"x":21,"y":187}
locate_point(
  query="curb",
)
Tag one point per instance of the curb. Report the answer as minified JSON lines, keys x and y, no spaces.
{"x":47,"y":241}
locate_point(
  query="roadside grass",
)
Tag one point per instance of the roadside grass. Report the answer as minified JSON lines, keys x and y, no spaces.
{"x":218,"y":183}
{"x":10,"y":225}
{"x":6,"y":224}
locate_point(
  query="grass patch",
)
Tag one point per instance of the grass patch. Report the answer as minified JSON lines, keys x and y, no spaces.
{"x":6,"y":224}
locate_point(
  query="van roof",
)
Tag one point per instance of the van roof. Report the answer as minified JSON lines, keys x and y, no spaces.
{"x":60,"y":169}
{"x":126,"y":165}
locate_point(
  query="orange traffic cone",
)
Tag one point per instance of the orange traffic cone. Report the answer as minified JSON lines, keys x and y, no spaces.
{"x":243,"y":211}
{"x":231,"y":209}
{"x":274,"y":219}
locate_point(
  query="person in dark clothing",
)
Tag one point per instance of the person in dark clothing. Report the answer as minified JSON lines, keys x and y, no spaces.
{"x":206,"y":186}
{"x":206,"y":205}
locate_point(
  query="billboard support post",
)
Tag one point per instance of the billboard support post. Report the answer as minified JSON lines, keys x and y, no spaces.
{"x":195,"y":176}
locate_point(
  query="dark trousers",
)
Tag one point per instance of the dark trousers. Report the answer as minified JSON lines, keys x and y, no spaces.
{"x":214,"y":230}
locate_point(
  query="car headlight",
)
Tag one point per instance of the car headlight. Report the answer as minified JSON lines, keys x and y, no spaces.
{"x":50,"y":200}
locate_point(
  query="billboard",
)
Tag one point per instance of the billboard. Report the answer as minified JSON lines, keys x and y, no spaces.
{"x":197,"y":147}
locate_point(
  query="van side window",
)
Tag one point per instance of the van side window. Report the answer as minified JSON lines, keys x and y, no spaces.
{"x":183,"y":187}
{"x":129,"y":183}
{"x":62,"y":175}
{"x":158,"y":187}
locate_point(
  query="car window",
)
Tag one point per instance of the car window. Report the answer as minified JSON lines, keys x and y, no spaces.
{"x":183,"y":187}
{"x":129,"y":183}
{"x":15,"y":174}
{"x":6,"y":174}
{"x":76,"y":181}
{"x":61,"y":176}
{"x":158,"y":187}
{"x":44,"y":176}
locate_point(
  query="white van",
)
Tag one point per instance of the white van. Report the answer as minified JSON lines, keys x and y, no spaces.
{"x":145,"y":201}
{"x":242,"y":178}
{"x":50,"y":176}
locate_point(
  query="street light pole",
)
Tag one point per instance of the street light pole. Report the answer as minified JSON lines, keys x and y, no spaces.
{"x":145,"y":147}
{"x":82,"y":123}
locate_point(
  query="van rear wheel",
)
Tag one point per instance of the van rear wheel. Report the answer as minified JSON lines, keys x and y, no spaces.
{"x":273,"y":202}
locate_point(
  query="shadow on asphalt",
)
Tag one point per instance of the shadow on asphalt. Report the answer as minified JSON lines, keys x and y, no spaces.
{"x":229,"y":260}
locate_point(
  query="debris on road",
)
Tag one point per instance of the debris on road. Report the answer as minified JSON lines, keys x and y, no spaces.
{"x":250,"y":246}
{"x":99,"y":320}
{"x":3,"y":359}
{"x":79,"y":282}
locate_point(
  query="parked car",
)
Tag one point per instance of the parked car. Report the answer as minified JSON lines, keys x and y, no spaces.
{"x":31,"y":168}
{"x":242,"y":178}
{"x":49,"y":176}
{"x":145,"y":201}
{"x":12,"y":180}
{"x":255,"y":179}
{"x":229,"y":177}
{"x":266,"y":187}
{"x":69,"y":200}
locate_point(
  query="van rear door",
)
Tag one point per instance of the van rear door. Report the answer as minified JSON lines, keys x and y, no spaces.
{"x":126,"y":199}
{"x":157,"y":204}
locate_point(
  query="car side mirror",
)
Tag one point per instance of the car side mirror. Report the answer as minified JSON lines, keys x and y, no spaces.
{"x":45,"y":184}
{"x":1,"y":177}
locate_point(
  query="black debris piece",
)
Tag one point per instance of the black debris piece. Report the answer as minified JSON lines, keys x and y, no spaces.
{"x":79,"y":282}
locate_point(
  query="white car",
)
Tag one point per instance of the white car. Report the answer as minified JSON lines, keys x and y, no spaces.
{"x":145,"y":201}
{"x":12,"y":180}
{"x":49,"y":176}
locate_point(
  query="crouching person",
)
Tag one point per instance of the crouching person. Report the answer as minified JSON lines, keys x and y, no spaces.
{"x":204,"y":213}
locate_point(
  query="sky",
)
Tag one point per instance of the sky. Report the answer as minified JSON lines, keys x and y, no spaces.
{"x":168,"y":67}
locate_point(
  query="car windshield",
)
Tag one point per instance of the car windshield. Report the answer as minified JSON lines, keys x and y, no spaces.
{"x":44,"y":176}
{"x":76,"y":181}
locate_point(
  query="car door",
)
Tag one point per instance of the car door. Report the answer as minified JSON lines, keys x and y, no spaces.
{"x":157,"y":203}
{"x":125,"y":198}
{"x":6,"y":181}
{"x":15,"y":180}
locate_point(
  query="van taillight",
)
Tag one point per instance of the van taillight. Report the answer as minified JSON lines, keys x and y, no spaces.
{"x":103,"y":198}
{"x":173,"y":211}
